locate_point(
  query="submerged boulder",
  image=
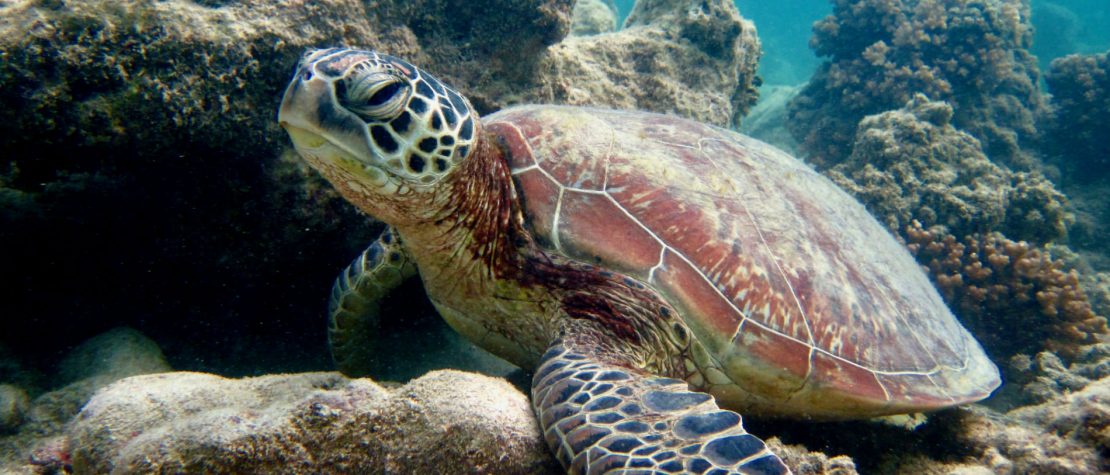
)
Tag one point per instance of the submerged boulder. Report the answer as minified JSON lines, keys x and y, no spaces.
{"x":443,"y":422}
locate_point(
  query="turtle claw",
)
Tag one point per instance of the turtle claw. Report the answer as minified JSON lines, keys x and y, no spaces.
{"x":603,"y":418}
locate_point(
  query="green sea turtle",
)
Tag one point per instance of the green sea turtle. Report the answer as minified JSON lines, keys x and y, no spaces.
{"x":649,"y":269}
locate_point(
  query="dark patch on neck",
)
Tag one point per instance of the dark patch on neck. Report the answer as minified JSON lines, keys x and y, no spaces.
{"x":482,"y":208}
{"x":597,"y":308}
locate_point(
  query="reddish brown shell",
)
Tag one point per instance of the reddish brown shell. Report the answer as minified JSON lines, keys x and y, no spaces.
{"x":803,"y":301}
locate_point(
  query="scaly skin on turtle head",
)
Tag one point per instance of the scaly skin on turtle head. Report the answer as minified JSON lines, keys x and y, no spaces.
{"x":376,"y":126}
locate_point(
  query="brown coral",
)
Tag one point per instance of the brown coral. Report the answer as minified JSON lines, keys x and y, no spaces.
{"x":972,"y":53}
{"x":1014,"y":296}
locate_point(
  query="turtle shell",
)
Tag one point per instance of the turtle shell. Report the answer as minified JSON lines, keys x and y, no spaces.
{"x":803,"y":303}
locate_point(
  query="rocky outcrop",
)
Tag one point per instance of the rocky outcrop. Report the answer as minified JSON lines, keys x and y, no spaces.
{"x":31,"y":430}
{"x":591,"y":17}
{"x":971,"y":53}
{"x":694,"y":59}
{"x":1077,"y":133}
{"x":911,"y":164}
{"x":14,"y":404}
{"x":1015,"y":297}
{"x":166,"y":110}
{"x":443,"y":422}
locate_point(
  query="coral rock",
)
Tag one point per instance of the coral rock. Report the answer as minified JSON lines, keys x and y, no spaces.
{"x":693,"y":59}
{"x":971,"y":53}
{"x":803,"y":462}
{"x":112,"y":355}
{"x":14,"y":404}
{"x":912,"y":164}
{"x":443,"y":422}
{"x":1080,"y":86}
{"x":591,"y":17}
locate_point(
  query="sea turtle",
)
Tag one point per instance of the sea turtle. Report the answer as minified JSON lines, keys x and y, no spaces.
{"x":649,"y":269}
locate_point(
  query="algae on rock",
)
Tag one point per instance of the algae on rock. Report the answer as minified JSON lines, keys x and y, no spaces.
{"x":971,"y":53}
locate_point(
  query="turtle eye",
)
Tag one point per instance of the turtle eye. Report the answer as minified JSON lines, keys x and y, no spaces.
{"x":373,"y":96}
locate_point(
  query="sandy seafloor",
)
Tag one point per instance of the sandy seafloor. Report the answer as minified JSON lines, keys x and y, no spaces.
{"x":144,"y":182}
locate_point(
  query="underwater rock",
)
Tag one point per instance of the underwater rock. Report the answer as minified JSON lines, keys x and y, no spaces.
{"x":13,"y":369}
{"x":111,"y":356}
{"x":971,"y":53}
{"x":89,"y":367}
{"x":695,"y":59}
{"x":14,"y":404}
{"x":166,"y":110}
{"x":591,"y":17}
{"x":1077,"y":135}
{"x":767,"y":120}
{"x":1065,"y":435}
{"x":1008,"y":444}
{"x":443,"y":422}
{"x":1047,"y":376}
{"x":803,"y":462}
{"x":1014,"y":297}
{"x":912,"y":164}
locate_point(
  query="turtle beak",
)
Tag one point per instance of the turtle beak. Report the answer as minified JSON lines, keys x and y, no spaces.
{"x":310,"y":115}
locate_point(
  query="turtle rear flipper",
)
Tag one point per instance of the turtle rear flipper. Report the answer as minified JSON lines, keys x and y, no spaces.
{"x":600,"y":417}
{"x":354,"y":309}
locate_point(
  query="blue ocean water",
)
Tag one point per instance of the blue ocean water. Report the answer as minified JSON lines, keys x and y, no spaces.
{"x":1062,"y":27}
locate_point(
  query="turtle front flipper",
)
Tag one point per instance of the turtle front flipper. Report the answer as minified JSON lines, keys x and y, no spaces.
{"x":354,"y":309}
{"x":599,"y":417}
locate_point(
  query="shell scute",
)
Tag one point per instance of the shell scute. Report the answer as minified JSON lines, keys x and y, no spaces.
{"x":787,"y":281}
{"x":595,"y":219}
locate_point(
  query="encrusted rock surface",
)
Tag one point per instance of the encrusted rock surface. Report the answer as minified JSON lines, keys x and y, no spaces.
{"x":166,"y":109}
{"x":112,"y":355}
{"x":912,"y":164}
{"x":90,"y":366}
{"x":972,"y":53}
{"x":443,"y":422}
{"x":14,"y":404}
{"x":804,"y":462}
{"x":591,"y":17}
{"x":694,"y":59}
{"x":1077,"y":133}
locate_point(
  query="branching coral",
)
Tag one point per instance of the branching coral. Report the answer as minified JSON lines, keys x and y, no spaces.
{"x":911,"y":164}
{"x":971,"y":53}
{"x":1014,"y":296}
{"x":1080,"y":87}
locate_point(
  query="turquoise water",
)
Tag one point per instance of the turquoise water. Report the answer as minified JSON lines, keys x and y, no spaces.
{"x":1062,"y":28}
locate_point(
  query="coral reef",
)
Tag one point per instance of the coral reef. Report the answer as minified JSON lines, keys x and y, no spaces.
{"x":912,"y":164}
{"x":591,"y":17}
{"x":971,"y":53}
{"x":1015,"y":297}
{"x":695,"y":59}
{"x":1027,"y":440}
{"x":1046,"y":376}
{"x":1077,"y":134}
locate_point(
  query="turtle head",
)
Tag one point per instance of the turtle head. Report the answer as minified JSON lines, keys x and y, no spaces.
{"x":376,"y":123}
